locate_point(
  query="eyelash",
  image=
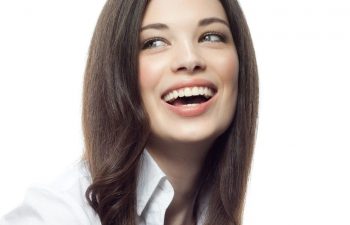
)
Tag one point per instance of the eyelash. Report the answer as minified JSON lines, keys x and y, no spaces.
{"x":147,"y":44}
{"x":222,"y":37}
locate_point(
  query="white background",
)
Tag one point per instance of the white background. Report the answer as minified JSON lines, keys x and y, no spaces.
{"x":301,"y":167}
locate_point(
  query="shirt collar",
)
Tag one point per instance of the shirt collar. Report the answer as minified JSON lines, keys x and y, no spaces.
{"x":149,"y":178}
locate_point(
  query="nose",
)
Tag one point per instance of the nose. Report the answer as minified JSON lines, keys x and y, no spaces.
{"x":187,"y":59}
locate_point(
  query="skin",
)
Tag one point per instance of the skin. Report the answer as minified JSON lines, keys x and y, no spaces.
{"x":184,"y":50}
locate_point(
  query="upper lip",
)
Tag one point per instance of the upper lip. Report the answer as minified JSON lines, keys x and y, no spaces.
{"x":190,"y":83}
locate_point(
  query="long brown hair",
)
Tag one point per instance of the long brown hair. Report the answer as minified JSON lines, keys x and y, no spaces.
{"x":116,"y":126}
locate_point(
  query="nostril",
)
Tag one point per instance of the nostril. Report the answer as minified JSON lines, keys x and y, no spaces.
{"x":183,"y":68}
{"x":192,"y":68}
{"x":190,"y":64}
{"x":198,"y":68}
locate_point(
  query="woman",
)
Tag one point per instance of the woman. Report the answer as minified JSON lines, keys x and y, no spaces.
{"x":169,"y":116}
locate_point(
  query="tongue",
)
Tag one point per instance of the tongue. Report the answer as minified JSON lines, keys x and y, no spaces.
{"x":178,"y":102}
{"x":189,"y":100}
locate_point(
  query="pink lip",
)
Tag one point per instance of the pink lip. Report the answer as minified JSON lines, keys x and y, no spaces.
{"x":195,"y":110}
{"x":191,"y":111}
{"x":190,"y":83}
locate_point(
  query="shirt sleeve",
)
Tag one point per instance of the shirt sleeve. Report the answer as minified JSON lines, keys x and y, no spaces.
{"x":43,"y":206}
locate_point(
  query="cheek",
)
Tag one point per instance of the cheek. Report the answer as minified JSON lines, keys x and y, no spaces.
{"x":146,"y":76}
{"x":227,"y":67}
{"x":150,"y":73}
{"x":228,"y":70}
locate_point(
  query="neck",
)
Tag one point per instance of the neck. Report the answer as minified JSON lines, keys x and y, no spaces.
{"x":182,"y":163}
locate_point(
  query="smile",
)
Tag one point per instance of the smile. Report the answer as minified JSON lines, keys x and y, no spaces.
{"x":189,"y":96}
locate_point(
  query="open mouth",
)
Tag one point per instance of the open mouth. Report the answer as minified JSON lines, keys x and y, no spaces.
{"x":189,"y":96}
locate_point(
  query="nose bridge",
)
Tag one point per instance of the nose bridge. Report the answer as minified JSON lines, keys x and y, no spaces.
{"x":188,"y":49}
{"x":187,"y":56}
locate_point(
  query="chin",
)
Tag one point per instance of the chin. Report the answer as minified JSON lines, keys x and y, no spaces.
{"x":197,"y":136}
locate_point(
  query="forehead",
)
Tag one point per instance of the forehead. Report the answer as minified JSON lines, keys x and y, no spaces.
{"x":177,"y":11}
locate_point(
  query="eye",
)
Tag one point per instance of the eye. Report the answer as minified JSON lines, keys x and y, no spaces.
{"x":154,"y":43}
{"x":212,"y":37}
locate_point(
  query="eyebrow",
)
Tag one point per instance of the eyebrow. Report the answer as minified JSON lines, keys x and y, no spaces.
{"x":207,"y":21}
{"x":157,"y":26}
{"x":201,"y":23}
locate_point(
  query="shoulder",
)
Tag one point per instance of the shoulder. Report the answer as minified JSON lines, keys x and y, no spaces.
{"x":62,"y":202}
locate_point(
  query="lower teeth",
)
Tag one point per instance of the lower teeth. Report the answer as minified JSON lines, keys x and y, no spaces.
{"x":192,"y":104}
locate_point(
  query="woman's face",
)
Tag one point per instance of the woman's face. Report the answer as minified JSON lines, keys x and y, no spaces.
{"x":188,"y":70}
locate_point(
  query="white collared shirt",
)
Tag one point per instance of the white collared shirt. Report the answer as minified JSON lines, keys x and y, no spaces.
{"x":64,"y":201}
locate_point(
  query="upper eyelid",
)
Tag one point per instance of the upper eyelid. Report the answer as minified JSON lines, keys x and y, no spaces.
{"x":221,"y":34}
{"x":156,"y":38}
{"x":213,"y":32}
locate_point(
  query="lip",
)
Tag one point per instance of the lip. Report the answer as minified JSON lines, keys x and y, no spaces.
{"x":190,"y":83}
{"x":191,"y":111}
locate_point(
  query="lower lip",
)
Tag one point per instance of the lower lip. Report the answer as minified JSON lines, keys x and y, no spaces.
{"x":193,"y":110}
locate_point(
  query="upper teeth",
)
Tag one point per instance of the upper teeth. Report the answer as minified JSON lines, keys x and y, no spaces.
{"x":188,"y":92}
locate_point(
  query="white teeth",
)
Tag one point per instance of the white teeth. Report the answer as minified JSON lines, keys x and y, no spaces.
{"x":188,"y":92}
{"x":201,"y":91}
{"x":195,"y":91}
{"x":181,"y":93}
{"x":175,"y":94}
